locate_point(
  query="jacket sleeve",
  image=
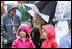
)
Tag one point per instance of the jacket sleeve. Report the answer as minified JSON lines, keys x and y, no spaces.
{"x":32,"y":44}
{"x":54,"y":44}
{"x":14,"y":45}
{"x":3,"y":30}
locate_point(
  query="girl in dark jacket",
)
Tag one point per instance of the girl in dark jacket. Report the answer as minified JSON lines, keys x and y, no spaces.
{"x":35,"y":33}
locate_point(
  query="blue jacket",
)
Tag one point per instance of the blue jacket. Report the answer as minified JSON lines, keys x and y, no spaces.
{"x":65,"y":42}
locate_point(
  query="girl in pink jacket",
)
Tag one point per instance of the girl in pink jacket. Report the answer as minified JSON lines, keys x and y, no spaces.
{"x":23,"y":41}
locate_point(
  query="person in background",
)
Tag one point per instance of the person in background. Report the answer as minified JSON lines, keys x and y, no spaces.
{"x":30,"y":21}
{"x":2,"y":10}
{"x":48,"y":33}
{"x":65,"y":42}
{"x":9,"y":25}
{"x":23,"y":41}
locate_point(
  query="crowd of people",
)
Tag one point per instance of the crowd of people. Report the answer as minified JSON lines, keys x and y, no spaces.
{"x":37,"y":33}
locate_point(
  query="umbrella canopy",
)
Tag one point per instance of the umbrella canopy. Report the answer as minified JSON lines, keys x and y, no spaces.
{"x":2,"y":2}
{"x":10,"y":2}
{"x":31,"y":9}
{"x":47,"y":8}
{"x":41,"y":5}
{"x":55,"y":10}
{"x":21,"y":2}
{"x":62,"y":19}
{"x":13,"y":2}
{"x":63,"y":11}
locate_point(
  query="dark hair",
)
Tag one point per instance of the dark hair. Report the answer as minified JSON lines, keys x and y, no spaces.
{"x":25,"y":31}
{"x":35,"y":34}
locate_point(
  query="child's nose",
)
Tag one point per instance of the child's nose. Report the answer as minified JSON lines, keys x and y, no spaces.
{"x":22,"y":32}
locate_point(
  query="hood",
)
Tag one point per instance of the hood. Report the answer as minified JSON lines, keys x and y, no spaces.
{"x":50,"y":31}
{"x":11,"y":6}
{"x":24,"y":27}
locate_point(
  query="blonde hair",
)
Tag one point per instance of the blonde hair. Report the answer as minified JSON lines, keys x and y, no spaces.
{"x":39,"y":22}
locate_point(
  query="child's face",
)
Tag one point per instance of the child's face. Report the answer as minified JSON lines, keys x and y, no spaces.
{"x":29,"y":19}
{"x":44,"y":33}
{"x":22,"y":33}
{"x":12,"y":11}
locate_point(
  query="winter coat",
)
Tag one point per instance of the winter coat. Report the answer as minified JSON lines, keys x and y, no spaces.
{"x":7,"y":27}
{"x":36,"y":37}
{"x":51,"y":43}
{"x":19,"y":43}
{"x":65,"y":42}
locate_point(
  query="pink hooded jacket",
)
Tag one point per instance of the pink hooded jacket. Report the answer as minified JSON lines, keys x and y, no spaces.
{"x":19,"y":43}
{"x":51,"y":43}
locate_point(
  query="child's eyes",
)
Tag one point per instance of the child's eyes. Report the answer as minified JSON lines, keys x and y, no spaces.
{"x":23,"y":31}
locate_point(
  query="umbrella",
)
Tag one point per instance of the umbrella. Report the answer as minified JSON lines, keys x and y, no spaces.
{"x":2,"y":2}
{"x":63,"y":11}
{"x":21,"y":2}
{"x":62,"y":19}
{"x":13,"y":2}
{"x":47,"y":8}
{"x":31,"y":9}
{"x":57,"y":10}
{"x":10,"y":2}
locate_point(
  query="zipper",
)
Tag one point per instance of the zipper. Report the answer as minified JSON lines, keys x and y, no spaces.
{"x":23,"y":44}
